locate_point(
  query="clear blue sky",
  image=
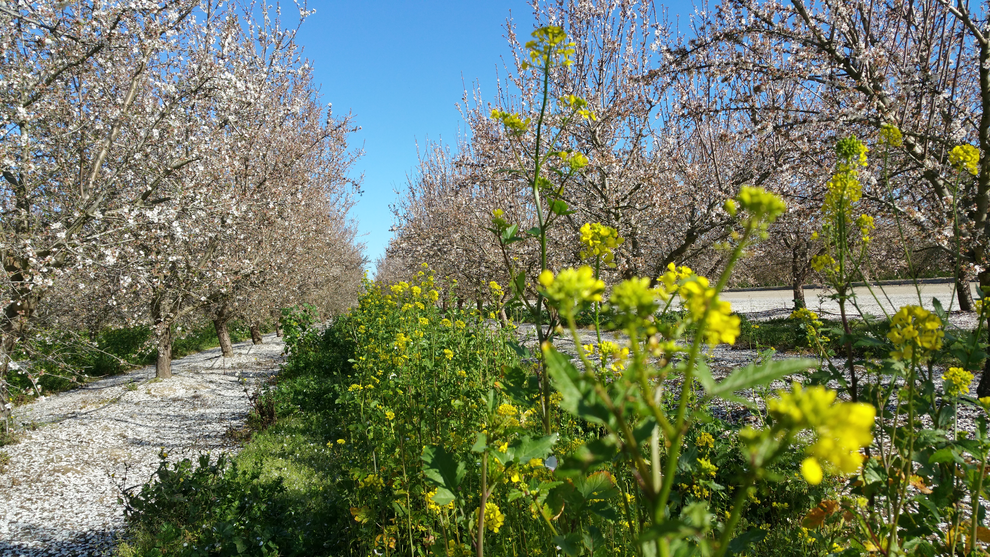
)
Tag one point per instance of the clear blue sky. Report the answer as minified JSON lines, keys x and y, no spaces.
{"x":401,"y":67}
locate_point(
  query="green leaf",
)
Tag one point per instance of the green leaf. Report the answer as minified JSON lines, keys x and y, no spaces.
{"x":443,"y":496}
{"x":939,"y":310}
{"x":740,"y":542}
{"x":519,"y":282}
{"x":755,"y":375}
{"x":520,"y":385}
{"x":523,"y":450}
{"x":480,"y":444}
{"x":559,"y":207}
{"x":534,"y":232}
{"x":570,"y":544}
{"x":442,"y":468}
{"x":942,"y":455}
{"x":509,"y":234}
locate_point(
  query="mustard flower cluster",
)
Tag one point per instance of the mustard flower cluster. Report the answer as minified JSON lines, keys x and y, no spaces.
{"x":866,"y":225}
{"x":572,"y":287}
{"x":548,"y":43}
{"x":698,"y":297}
{"x":575,"y":160}
{"x":851,"y":151}
{"x":762,"y":206}
{"x":670,"y":281}
{"x":635,"y":300}
{"x":514,"y":124}
{"x":915,"y":332}
{"x":890,"y":135}
{"x":965,"y":158}
{"x":705,"y":441}
{"x":599,"y":241}
{"x":955,"y":382}
{"x":843,"y":190}
{"x":614,"y":353}
{"x":842,"y":429}
{"x":577,"y":105}
{"x":494,"y":519}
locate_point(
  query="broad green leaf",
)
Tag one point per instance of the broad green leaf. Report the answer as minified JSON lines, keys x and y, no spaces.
{"x":755,"y":375}
{"x":523,"y":450}
{"x":570,"y":544}
{"x":598,"y":485}
{"x":534,"y":232}
{"x":942,"y":455}
{"x":443,"y":496}
{"x":442,"y":468}
{"x":939,"y":310}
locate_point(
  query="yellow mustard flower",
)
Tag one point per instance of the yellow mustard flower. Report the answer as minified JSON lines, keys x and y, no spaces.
{"x":599,"y":241}
{"x":955,"y":381}
{"x":448,"y":353}
{"x":572,"y":287}
{"x":762,"y":206}
{"x":494,"y":519}
{"x":851,"y":151}
{"x":635,"y":300}
{"x":705,"y":441}
{"x":890,"y":135}
{"x":506,"y":410}
{"x":720,"y":324}
{"x":965,"y":158}
{"x":915,"y":332}
{"x":671,"y":280}
{"x":842,"y":429}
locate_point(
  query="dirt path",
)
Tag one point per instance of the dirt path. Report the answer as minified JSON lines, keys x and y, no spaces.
{"x":58,"y":494}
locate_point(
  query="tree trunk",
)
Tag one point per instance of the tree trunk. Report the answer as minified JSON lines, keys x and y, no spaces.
{"x":163,"y":365}
{"x":983,"y":389}
{"x":256,"y":333}
{"x":799,"y":302}
{"x":278,"y":328}
{"x":963,"y":293}
{"x":799,"y":273}
{"x":223,"y":335}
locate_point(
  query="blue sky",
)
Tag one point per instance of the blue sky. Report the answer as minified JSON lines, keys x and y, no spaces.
{"x":401,"y":67}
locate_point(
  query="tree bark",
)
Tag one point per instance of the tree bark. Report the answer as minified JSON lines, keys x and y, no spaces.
{"x":256,"y":333}
{"x":278,"y":328}
{"x":963,"y":293}
{"x":163,"y":365}
{"x":799,"y":273}
{"x":983,"y":389}
{"x":223,"y":335}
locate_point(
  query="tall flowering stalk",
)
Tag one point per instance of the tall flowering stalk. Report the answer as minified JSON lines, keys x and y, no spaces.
{"x":549,"y":49}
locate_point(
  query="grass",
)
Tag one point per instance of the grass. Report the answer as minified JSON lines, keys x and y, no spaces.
{"x":287,"y":452}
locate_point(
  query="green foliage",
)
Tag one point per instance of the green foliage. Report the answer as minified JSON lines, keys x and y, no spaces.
{"x":208,"y":508}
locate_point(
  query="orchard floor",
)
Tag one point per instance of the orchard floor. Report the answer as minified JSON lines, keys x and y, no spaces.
{"x":59,"y":492}
{"x":778,"y":302}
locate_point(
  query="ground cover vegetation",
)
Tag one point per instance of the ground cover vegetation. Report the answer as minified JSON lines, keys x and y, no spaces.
{"x":450,"y":437}
{"x":162,"y":162}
